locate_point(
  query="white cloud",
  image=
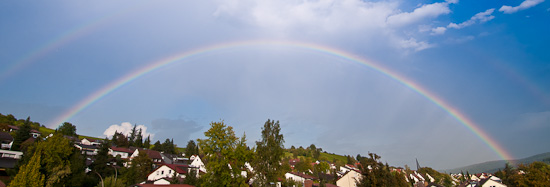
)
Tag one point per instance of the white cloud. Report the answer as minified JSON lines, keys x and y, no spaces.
{"x":126,"y":128}
{"x":419,"y":14}
{"x":524,"y":5}
{"x":481,"y":17}
{"x":415,"y":45}
{"x":438,"y":30}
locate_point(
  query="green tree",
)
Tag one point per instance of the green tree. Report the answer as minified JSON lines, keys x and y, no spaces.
{"x":157,"y":146}
{"x":375,"y":173}
{"x":147,"y":142}
{"x":133,"y":135}
{"x":139,"y":139}
{"x":101,"y":163}
{"x":219,"y":146}
{"x":191,"y":149}
{"x":22,"y":134}
{"x":67,"y":129}
{"x":269,"y":153}
{"x":143,"y":165}
{"x":29,"y":174}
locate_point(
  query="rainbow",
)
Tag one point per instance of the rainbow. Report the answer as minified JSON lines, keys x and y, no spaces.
{"x":463,"y":119}
{"x":65,"y":38}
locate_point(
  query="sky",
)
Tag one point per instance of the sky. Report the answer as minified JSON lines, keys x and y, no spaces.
{"x":487,"y":61}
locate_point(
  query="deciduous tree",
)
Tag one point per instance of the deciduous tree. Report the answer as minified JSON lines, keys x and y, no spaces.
{"x":269,"y":153}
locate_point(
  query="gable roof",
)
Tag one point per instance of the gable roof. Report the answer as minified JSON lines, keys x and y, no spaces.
{"x":152,"y":153}
{"x":303,"y":175}
{"x":5,"y":136}
{"x":181,"y":169}
{"x":122,"y":149}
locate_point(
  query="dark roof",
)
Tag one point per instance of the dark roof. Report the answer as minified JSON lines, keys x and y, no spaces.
{"x":482,"y":182}
{"x":5,"y":136}
{"x":87,"y":146}
{"x":152,"y":153}
{"x":7,"y":162}
{"x":122,"y":149}
{"x":305,"y":176}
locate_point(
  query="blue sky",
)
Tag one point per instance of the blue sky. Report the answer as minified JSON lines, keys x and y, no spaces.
{"x":488,"y":59}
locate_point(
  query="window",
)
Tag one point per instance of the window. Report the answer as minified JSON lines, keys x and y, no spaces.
{"x":162,"y":172}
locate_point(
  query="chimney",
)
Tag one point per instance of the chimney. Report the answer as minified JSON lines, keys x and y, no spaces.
{"x":308,"y":183}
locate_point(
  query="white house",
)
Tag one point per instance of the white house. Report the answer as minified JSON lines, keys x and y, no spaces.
{"x":490,"y":183}
{"x":93,"y":142}
{"x":197,"y":163}
{"x":123,"y":152}
{"x":349,"y":178}
{"x":298,"y":177}
{"x":168,"y":171}
{"x":153,"y":155}
{"x":87,"y":149}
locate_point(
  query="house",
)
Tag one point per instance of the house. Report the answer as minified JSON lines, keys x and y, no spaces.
{"x":197,"y":163}
{"x":8,"y":158}
{"x":89,"y":141}
{"x":349,"y":178}
{"x":34,"y":133}
{"x":487,"y":182}
{"x":298,"y":177}
{"x":153,"y":155}
{"x":293,"y":162}
{"x":162,"y":185}
{"x":87,"y":149}
{"x":6,"y":140}
{"x":122,"y":151}
{"x":168,"y":171}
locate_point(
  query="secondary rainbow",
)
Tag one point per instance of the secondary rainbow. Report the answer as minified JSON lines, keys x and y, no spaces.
{"x":181,"y":57}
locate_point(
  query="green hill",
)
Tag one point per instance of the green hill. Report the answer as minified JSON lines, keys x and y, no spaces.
{"x":493,"y":166}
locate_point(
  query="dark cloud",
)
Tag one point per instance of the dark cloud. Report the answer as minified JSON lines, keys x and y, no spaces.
{"x":179,"y":129}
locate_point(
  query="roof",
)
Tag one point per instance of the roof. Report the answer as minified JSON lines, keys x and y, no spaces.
{"x":181,"y":169}
{"x":167,"y":185}
{"x":152,"y":153}
{"x":17,"y":128}
{"x":305,"y":176}
{"x":87,"y":146}
{"x":122,"y":149}
{"x":5,"y":136}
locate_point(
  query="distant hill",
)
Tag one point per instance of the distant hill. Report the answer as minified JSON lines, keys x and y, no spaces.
{"x":493,"y":166}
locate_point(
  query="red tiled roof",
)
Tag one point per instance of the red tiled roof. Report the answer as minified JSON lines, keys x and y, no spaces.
{"x":305,"y":176}
{"x":181,"y":169}
{"x":122,"y":149}
{"x":152,"y":153}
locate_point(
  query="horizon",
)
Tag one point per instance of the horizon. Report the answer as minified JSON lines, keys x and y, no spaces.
{"x":452,"y":83}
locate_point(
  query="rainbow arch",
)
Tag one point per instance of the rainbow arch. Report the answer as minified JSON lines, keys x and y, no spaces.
{"x":180,"y":57}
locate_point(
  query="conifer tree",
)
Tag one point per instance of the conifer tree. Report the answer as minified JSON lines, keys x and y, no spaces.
{"x":147,"y":142}
{"x":29,"y":174}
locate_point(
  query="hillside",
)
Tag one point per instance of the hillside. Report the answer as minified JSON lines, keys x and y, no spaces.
{"x":493,"y":166}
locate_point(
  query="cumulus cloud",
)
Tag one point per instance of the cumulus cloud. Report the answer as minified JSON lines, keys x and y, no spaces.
{"x":481,"y":17}
{"x":419,"y":14}
{"x":333,"y":19}
{"x":126,"y":128}
{"x":438,"y":30}
{"x":524,"y":5}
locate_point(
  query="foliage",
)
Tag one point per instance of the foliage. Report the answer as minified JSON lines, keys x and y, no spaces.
{"x":440,"y":178}
{"x":112,"y":182}
{"x":22,"y":134}
{"x":142,"y":165}
{"x":303,"y":166}
{"x":220,"y":148}
{"x":67,"y":129}
{"x":101,"y":164}
{"x":191,"y":149}
{"x":269,"y":152}
{"x":147,"y":142}
{"x":119,"y":140}
{"x":29,"y":174}
{"x":379,"y":174}
{"x":191,"y":178}
{"x":534,"y":174}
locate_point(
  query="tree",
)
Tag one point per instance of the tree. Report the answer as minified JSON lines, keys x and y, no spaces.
{"x":157,"y":146}
{"x":269,"y":153}
{"x":147,"y":142}
{"x":139,"y":169}
{"x":101,"y":163}
{"x":21,"y":135}
{"x":219,"y":146}
{"x":29,"y":174}
{"x":375,"y":173}
{"x":191,"y":148}
{"x":139,"y":139}
{"x":67,"y":129}
{"x":112,"y":182}
{"x":132,"y":137}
